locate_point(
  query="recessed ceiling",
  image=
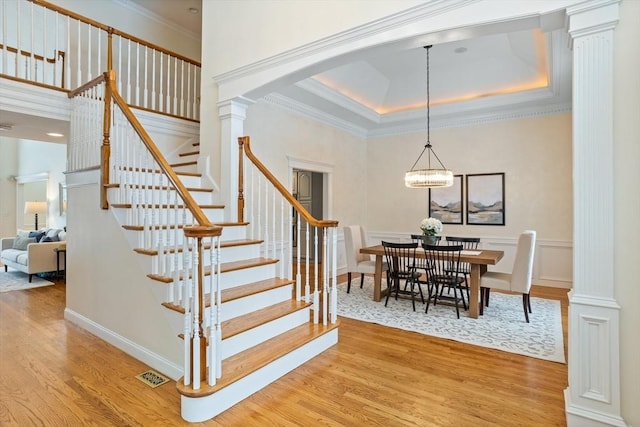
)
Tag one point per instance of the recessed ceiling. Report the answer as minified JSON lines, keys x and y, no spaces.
{"x":35,"y":128}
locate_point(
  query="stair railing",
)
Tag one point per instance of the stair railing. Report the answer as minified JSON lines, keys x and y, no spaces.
{"x":168,"y":222}
{"x":47,"y":45}
{"x":289,"y":233}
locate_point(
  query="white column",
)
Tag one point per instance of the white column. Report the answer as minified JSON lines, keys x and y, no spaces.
{"x":593,"y":395}
{"x":232,"y":114}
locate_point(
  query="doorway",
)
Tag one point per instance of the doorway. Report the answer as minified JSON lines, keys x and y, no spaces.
{"x":308,"y":189}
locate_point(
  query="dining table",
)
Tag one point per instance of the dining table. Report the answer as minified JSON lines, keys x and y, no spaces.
{"x":478,"y":260}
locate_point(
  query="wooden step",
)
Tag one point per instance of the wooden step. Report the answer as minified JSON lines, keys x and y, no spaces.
{"x":224,"y":268}
{"x":240,"y":365}
{"x":163,"y":187}
{"x":162,"y":206}
{"x":177,"y":165}
{"x":206,"y":246}
{"x":238,"y":292}
{"x":190,"y":153}
{"x":136,"y":169}
{"x":196,"y":144}
{"x":246,"y":322}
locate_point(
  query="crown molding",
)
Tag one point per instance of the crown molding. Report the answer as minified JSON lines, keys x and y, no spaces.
{"x":34,"y":100}
{"x":304,"y":110}
{"x":157,"y":18}
{"x":387,"y":23}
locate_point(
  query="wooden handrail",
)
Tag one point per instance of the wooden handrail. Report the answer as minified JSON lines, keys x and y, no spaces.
{"x":112,"y":30}
{"x":104,"y":77}
{"x":190,"y":203}
{"x":243,"y":141}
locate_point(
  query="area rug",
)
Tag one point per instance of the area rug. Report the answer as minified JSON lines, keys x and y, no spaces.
{"x":17,"y":280}
{"x":502,"y":327}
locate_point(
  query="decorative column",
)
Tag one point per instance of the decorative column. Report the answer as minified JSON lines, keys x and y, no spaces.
{"x":593,"y":395}
{"x":232,"y":114}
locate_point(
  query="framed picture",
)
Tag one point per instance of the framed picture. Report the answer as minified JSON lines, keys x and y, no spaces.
{"x":485,"y":199}
{"x":445,"y":203}
{"x":62,"y":198}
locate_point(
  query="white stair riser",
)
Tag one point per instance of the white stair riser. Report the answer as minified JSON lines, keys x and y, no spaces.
{"x":234,"y":233}
{"x":247,"y":275}
{"x":204,"y":408}
{"x":262,"y":333}
{"x":255,"y":302}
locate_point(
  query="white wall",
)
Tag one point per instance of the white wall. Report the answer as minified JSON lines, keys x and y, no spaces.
{"x":624,"y":221}
{"x":130,"y":21}
{"x":8,"y":170}
{"x":534,"y":154}
{"x":35,"y":157}
{"x":276,"y":135}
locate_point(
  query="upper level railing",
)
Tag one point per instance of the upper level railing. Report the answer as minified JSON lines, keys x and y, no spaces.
{"x":54,"y":47}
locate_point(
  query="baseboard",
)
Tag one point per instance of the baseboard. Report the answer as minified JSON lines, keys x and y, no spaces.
{"x":134,"y":350}
{"x":578,"y":416}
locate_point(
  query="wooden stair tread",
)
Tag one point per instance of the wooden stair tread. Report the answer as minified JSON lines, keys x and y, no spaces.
{"x":180,"y":164}
{"x":238,"y":292}
{"x":242,"y":291}
{"x":248,"y":321}
{"x":246,"y":362}
{"x":163,"y":206}
{"x":136,"y":169}
{"x":224,"y":268}
{"x":206,"y":246}
{"x":189,"y":153}
{"x":161,"y":187}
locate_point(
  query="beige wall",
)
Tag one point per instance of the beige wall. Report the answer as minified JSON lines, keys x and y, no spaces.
{"x":276,"y":135}
{"x":624,"y":222}
{"x":534,"y":154}
{"x":8,"y":170}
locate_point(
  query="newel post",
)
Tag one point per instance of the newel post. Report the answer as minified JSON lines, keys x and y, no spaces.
{"x":105,"y":151}
{"x":198,"y":339}
{"x":241,"y":178}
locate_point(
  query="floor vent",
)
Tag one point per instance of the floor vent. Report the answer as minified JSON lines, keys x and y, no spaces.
{"x":152,"y":378}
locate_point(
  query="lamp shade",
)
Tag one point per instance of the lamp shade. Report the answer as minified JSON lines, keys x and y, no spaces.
{"x":31,"y":208}
{"x":428,"y":178}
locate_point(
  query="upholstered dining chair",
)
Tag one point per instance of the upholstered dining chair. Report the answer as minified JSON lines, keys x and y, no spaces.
{"x":469,"y":243}
{"x":355,"y":238}
{"x":519,"y":280}
{"x":401,"y":259}
{"x":444,"y":262}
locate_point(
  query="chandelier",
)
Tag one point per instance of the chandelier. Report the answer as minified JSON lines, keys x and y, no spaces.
{"x":430,"y":177}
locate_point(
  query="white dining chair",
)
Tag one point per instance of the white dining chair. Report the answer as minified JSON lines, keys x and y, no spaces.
{"x":355,"y":238}
{"x":519,"y":280}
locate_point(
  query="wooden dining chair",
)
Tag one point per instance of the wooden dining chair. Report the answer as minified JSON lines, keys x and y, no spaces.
{"x":468,"y":243}
{"x":444,"y":263}
{"x":401,"y":258}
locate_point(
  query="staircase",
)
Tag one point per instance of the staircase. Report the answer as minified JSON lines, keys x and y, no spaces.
{"x":266,"y":331}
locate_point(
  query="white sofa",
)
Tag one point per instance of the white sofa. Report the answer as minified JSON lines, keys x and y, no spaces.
{"x":37,"y":258}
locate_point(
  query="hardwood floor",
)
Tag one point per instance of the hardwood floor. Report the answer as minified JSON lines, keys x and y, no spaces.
{"x":53,"y":373}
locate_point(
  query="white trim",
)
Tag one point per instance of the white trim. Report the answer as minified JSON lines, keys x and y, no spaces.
{"x":136,"y":351}
{"x":36,"y":177}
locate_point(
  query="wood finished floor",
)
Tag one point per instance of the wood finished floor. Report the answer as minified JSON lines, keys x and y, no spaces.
{"x":53,"y":373}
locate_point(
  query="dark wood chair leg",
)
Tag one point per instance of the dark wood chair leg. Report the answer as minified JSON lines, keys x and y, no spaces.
{"x":525,"y":297}
{"x":361,"y":280}
{"x":348,"y":282}
{"x":5,"y":268}
{"x":529,"y":302}
{"x":30,"y":277}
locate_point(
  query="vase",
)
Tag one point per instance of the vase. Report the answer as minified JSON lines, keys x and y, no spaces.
{"x":430,"y":240}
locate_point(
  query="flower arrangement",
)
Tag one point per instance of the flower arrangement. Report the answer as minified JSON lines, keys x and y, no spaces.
{"x":431,"y":226}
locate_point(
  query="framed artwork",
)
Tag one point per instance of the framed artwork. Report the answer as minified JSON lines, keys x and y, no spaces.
{"x":445,"y":203}
{"x":485,"y":199}
{"x":62,"y":198}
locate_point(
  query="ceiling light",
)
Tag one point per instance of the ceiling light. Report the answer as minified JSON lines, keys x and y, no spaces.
{"x":56,"y":134}
{"x":430,"y":177}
